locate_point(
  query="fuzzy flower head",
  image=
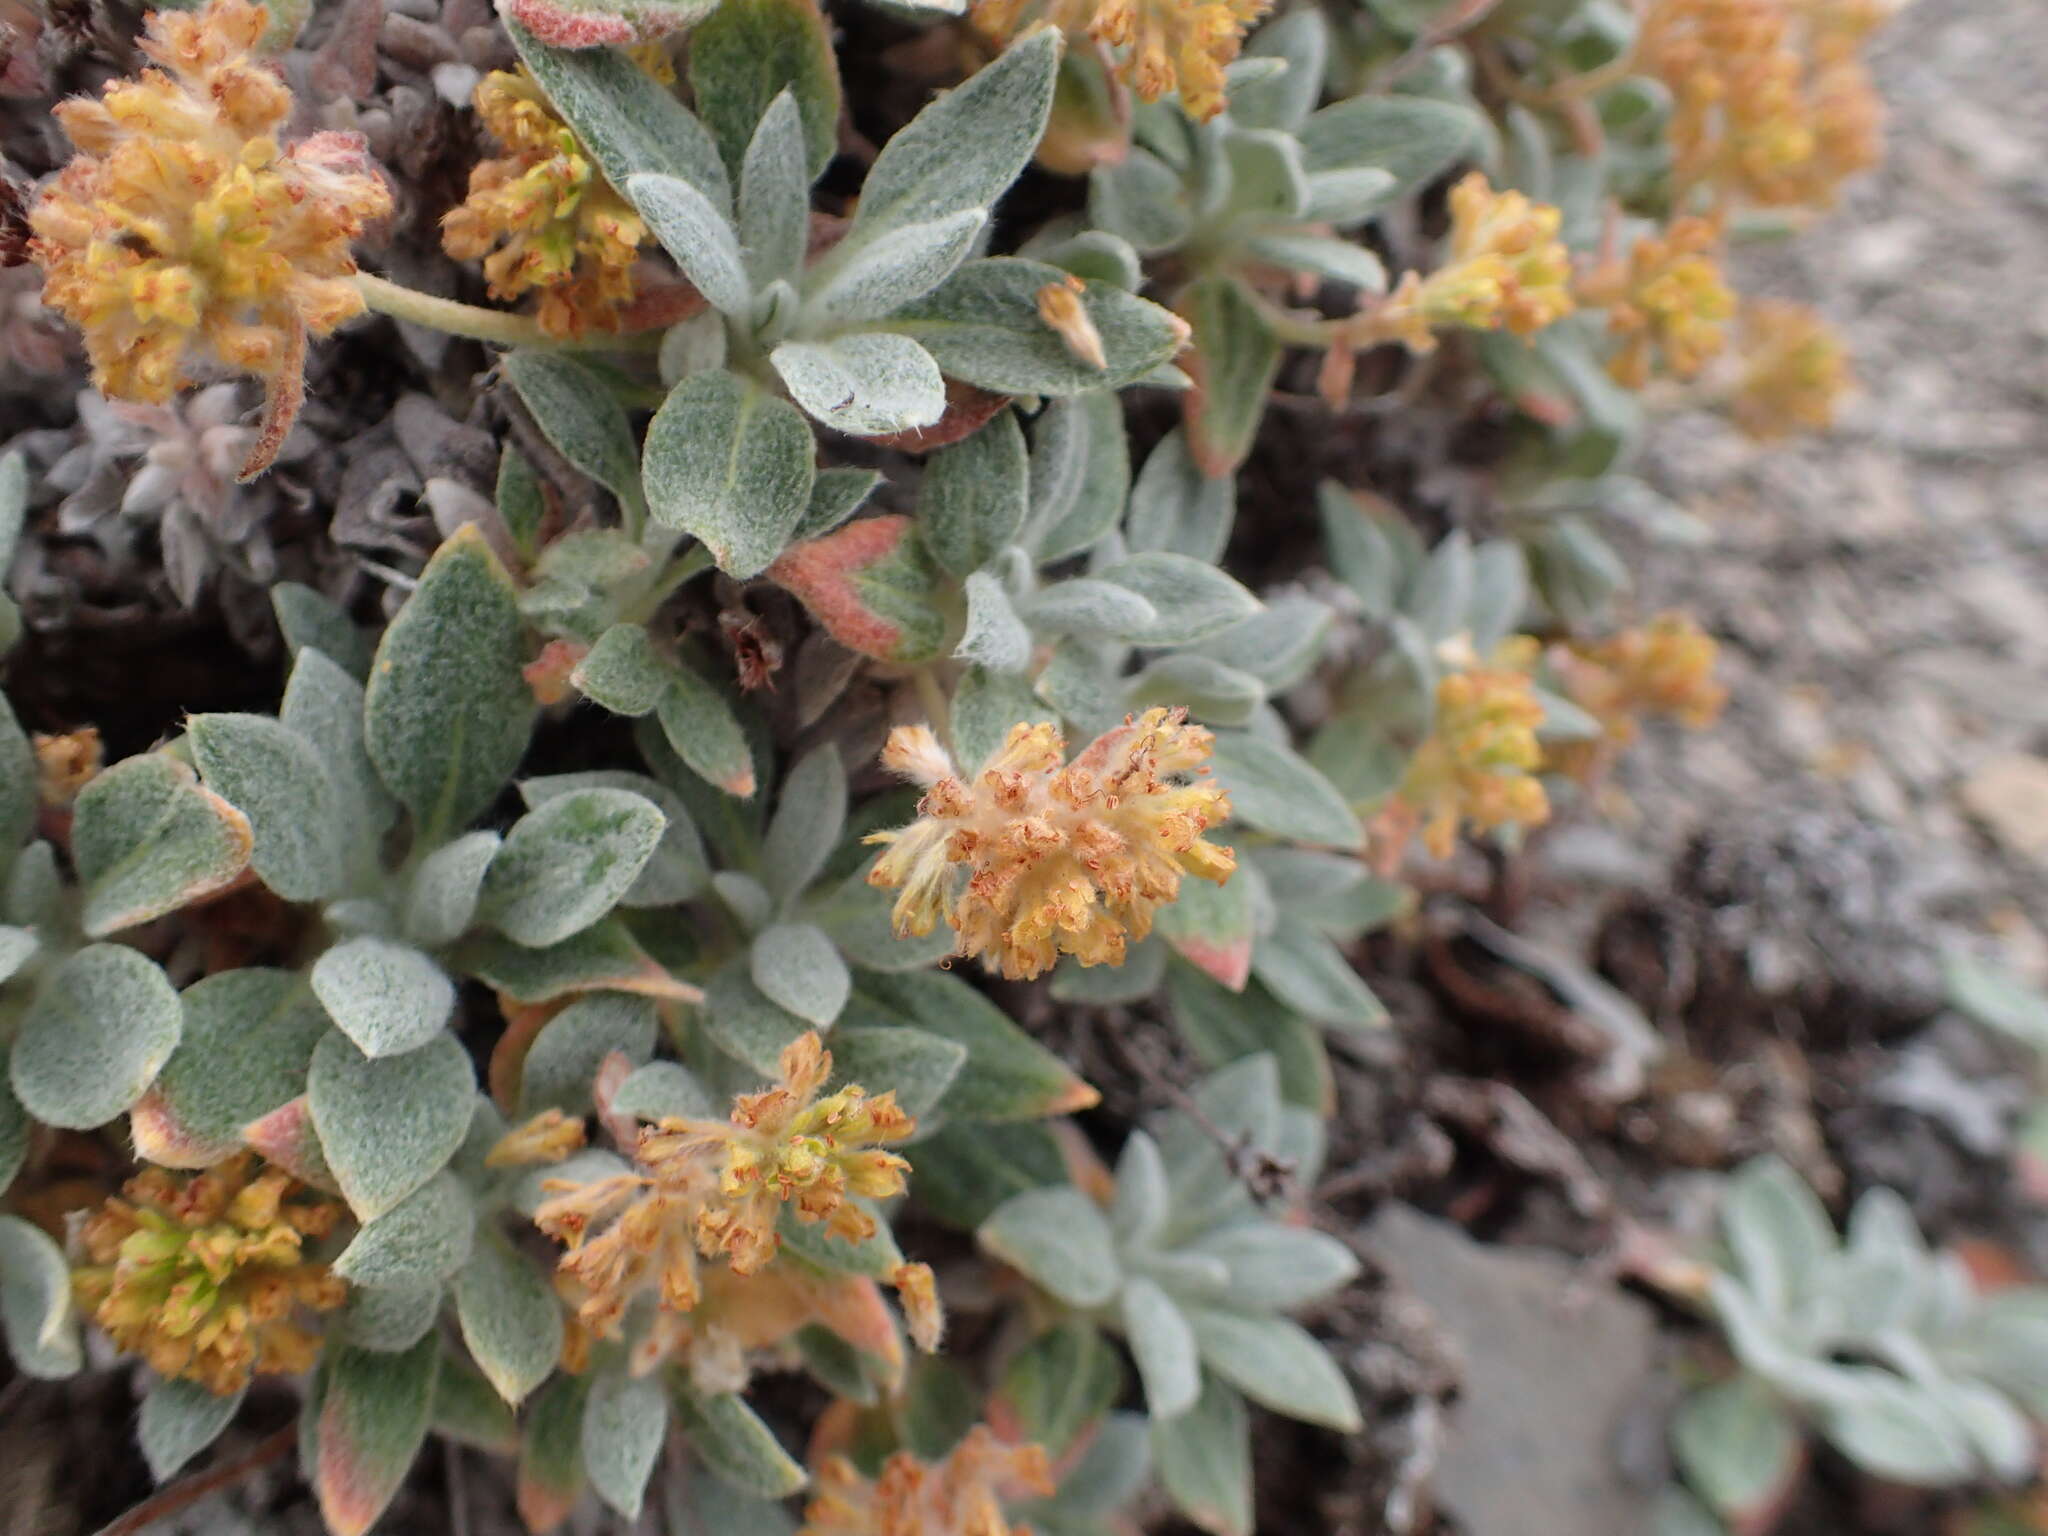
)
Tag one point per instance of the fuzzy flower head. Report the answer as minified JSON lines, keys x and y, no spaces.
{"x":960,"y":1496}
{"x":1771,"y":103}
{"x":182,"y":238}
{"x":1479,"y":763}
{"x":1661,"y":669}
{"x":542,"y":216}
{"x":1070,"y":858}
{"x":203,"y":1276}
{"x":705,"y":1188}
{"x":1795,"y":371}
{"x":1167,"y":45}
{"x":1668,"y":302}
{"x":1504,"y":269}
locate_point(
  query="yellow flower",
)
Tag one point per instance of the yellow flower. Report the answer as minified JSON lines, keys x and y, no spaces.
{"x":202,"y":1276}
{"x":960,"y":1496}
{"x":1663,"y":668}
{"x":1504,"y":269}
{"x":1794,"y":371}
{"x":1072,"y":859}
{"x":1478,"y":764}
{"x":543,"y":216}
{"x":1168,"y":45}
{"x":1669,"y":300}
{"x":1770,"y":102}
{"x":703,"y":1188}
{"x":182,"y":237}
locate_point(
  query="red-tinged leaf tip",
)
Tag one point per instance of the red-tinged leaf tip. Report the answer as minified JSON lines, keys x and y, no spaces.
{"x":286,"y":1138}
{"x":508,"y":1057}
{"x":560,"y":27}
{"x":542,"y":1508}
{"x":853,"y":1309}
{"x":160,"y":1138}
{"x":740,"y":785}
{"x":1228,"y":962}
{"x":969,"y":408}
{"x":820,"y":574}
{"x":1075,"y":1097}
{"x":352,"y":1494}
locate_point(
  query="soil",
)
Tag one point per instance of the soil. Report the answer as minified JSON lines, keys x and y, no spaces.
{"x":1773,"y":894}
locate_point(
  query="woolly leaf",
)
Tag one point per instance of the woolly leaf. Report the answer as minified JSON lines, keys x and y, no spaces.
{"x":179,"y":1419}
{"x":590,"y":24}
{"x":423,"y":1239}
{"x":1176,"y":508}
{"x":1061,"y":1383}
{"x":698,"y":235}
{"x":373,"y":1417}
{"x":247,"y":1039}
{"x":918,"y":1066}
{"x":810,"y":811}
{"x":448,"y":711}
{"x":566,"y":1054}
{"x":510,"y":1317}
{"x":95,"y":1037}
{"x":441,"y":902}
{"x":390,"y":1318}
{"x":1232,"y":358}
{"x":14,"y":1133}
{"x":869,"y":384}
{"x":567,"y":862}
{"x":872,"y":586}
{"x":1080,"y":474}
{"x":1412,"y":138}
{"x":735,"y":1445}
{"x":1309,"y":973}
{"x":1163,"y":1345}
{"x":1008,"y":1075}
{"x":1204,"y":1460}
{"x":1276,"y":1363}
{"x":881,"y":276}
{"x":752,"y":51}
{"x":745,"y":1023}
{"x":1056,"y":1238}
{"x":1737,"y":1445}
{"x":1192,"y":599}
{"x":700,"y":725}
{"x":623,"y":671}
{"x":972,"y":501}
{"x":388,"y":998}
{"x":276,"y":779}
{"x":389,"y":1125}
{"x":1274,"y":790}
{"x":148,"y":839}
{"x":35,"y":1303}
{"x":731,"y":464}
{"x":624,"y":1423}
{"x":323,"y":706}
{"x":602,"y":957}
{"x":312,"y":621}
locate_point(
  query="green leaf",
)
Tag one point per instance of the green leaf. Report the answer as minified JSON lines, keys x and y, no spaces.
{"x":918,"y":1066}
{"x":521,"y":501}
{"x":1080,"y":474}
{"x":577,"y":412}
{"x":745,"y":1024}
{"x":983,"y":327}
{"x":966,"y":1170}
{"x":1163,"y":1345}
{"x":312,"y":621}
{"x":95,"y":1037}
{"x":985,"y":705}
{"x":247,"y":1040}
{"x":1412,"y":138}
{"x":14,"y":1133}
{"x":731,"y":464}
{"x":1204,"y":1459}
{"x":566,"y":1054}
{"x":389,"y":1125}
{"x":510,"y":1317}
{"x":1008,"y":1075}
{"x":627,"y":119}
{"x":603,"y":956}
{"x":1268,"y":182}
{"x":797,"y":967}
{"x":567,"y":862}
{"x":700,"y":725}
{"x":872,"y":586}
{"x":148,"y":839}
{"x":1899,"y":1430}
{"x":276,"y":779}
{"x":323,"y":705}
{"x":1275,"y":1268}
{"x":1306,"y":971}
{"x":1302,"y":40}
{"x":664,"y":1090}
{"x":1778,"y":1229}
{"x":624,"y":1423}
{"x":995,"y":638}
{"x":373,"y":1420}
{"x":880,"y":277}
{"x":1277,"y":1364}
{"x":468,"y":1412}
{"x":747,"y":54}
{"x":1177,"y":509}
{"x":1223,"y":1026}
{"x":698,"y":235}
{"x":179,"y":1419}
{"x":1142,"y":199}
{"x":735,"y":1445}
{"x":1338,"y":260}
{"x":1993,"y":996}
{"x":441,"y":902}
{"x":1056,"y":1238}
{"x":868,"y":384}
{"x":836,"y":494}
{"x":35,"y":1303}
{"x":1274,"y":790}
{"x":448,"y":712}
{"x":810,"y":812}
{"x":1193,"y":599}
{"x":677,"y":871}
{"x":551,"y":1451}
{"x":624,"y":672}
{"x":972,"y":500}
{"x":775,"y":196}
{"x":423,"y":1239}
{"x":1061,"y":1383}
{"x":390,"y":1318}
{"x":592,"y":24}
{"x":1210,"y":691}
{"x":966,"y":147}
{"x":17,"y":784}
{"x":18,"y":946}
{"x":388,"y":998}
{"x":1738,"y":1447}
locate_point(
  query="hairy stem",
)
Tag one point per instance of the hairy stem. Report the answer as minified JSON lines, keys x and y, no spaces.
{"x":498,"y":326}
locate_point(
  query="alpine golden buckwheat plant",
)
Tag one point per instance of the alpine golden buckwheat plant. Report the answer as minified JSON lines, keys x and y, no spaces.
{"x":542,"y":1027}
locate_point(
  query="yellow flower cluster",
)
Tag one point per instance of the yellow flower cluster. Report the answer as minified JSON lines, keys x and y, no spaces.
{"x":1070,"y":858}
{"x":960,"y":1496}
{"x":1504,"y":269}
{"x":1479,"y":763}
{"x":1667,"y":302}
{"x":704,"y":1188}
{"x":542,"y":216}
{"x":1771,"y":103}
{"x":1182,"y":45}
{"x":1794,"y":371}
{"x":1664,"y":668}
{"x":182,"y":235}
{"x":203,"y":1276}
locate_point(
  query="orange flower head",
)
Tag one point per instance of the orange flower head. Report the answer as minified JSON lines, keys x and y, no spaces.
{"x":960,"y":1496}
{"x":1504,"y":269}
{"x":1479,"y":763}
{"x":1164,"y":45}
{"x":542,"y":216}
{"x":204,"y":1276}
{"x":1662,"y":669}
{"x":182,"y":238}
{"x":1668,"y":303}
{"x":1071,"y":859}
{"x":1795,"y":371}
